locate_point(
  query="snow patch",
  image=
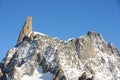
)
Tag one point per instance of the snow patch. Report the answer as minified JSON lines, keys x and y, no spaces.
{"x":39,"y":33}
{"x":70,"y":39}
{"x":38,"y":75}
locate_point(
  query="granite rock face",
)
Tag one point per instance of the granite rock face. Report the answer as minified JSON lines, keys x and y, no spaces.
{"x":40,"y":57}
{"x":26,"y":30}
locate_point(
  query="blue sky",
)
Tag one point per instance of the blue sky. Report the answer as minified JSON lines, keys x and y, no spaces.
{"x":59,"y":18}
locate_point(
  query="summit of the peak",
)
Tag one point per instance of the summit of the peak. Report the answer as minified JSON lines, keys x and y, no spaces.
{"x":93,"y":34}
{"x":26,"y":29}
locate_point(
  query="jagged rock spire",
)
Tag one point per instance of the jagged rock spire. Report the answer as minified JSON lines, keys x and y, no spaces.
{"x":26,"y":30}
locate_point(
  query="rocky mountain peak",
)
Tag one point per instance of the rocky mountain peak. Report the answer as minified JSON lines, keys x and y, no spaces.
{"x":40,"y":57}
{"x":26,"y":30}
{"x":111,"y":45}
{"x":113,"y":49}
{"x":94,"y":35}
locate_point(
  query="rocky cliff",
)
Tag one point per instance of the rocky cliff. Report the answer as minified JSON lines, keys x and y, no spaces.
{"x":37,"y":56}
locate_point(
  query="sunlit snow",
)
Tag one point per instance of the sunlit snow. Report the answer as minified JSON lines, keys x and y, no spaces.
{"x":38,"y":75}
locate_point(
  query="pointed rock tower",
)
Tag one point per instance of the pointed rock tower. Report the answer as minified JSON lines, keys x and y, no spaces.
{"x":26,"y":30}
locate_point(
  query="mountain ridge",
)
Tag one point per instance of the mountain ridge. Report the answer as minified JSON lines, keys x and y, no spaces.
{"x":40,"y":57}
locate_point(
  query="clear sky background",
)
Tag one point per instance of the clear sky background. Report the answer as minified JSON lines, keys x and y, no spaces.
{"x":59,"y":18}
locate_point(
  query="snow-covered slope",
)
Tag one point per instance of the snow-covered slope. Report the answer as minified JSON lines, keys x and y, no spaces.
{"x":40,"y":57}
